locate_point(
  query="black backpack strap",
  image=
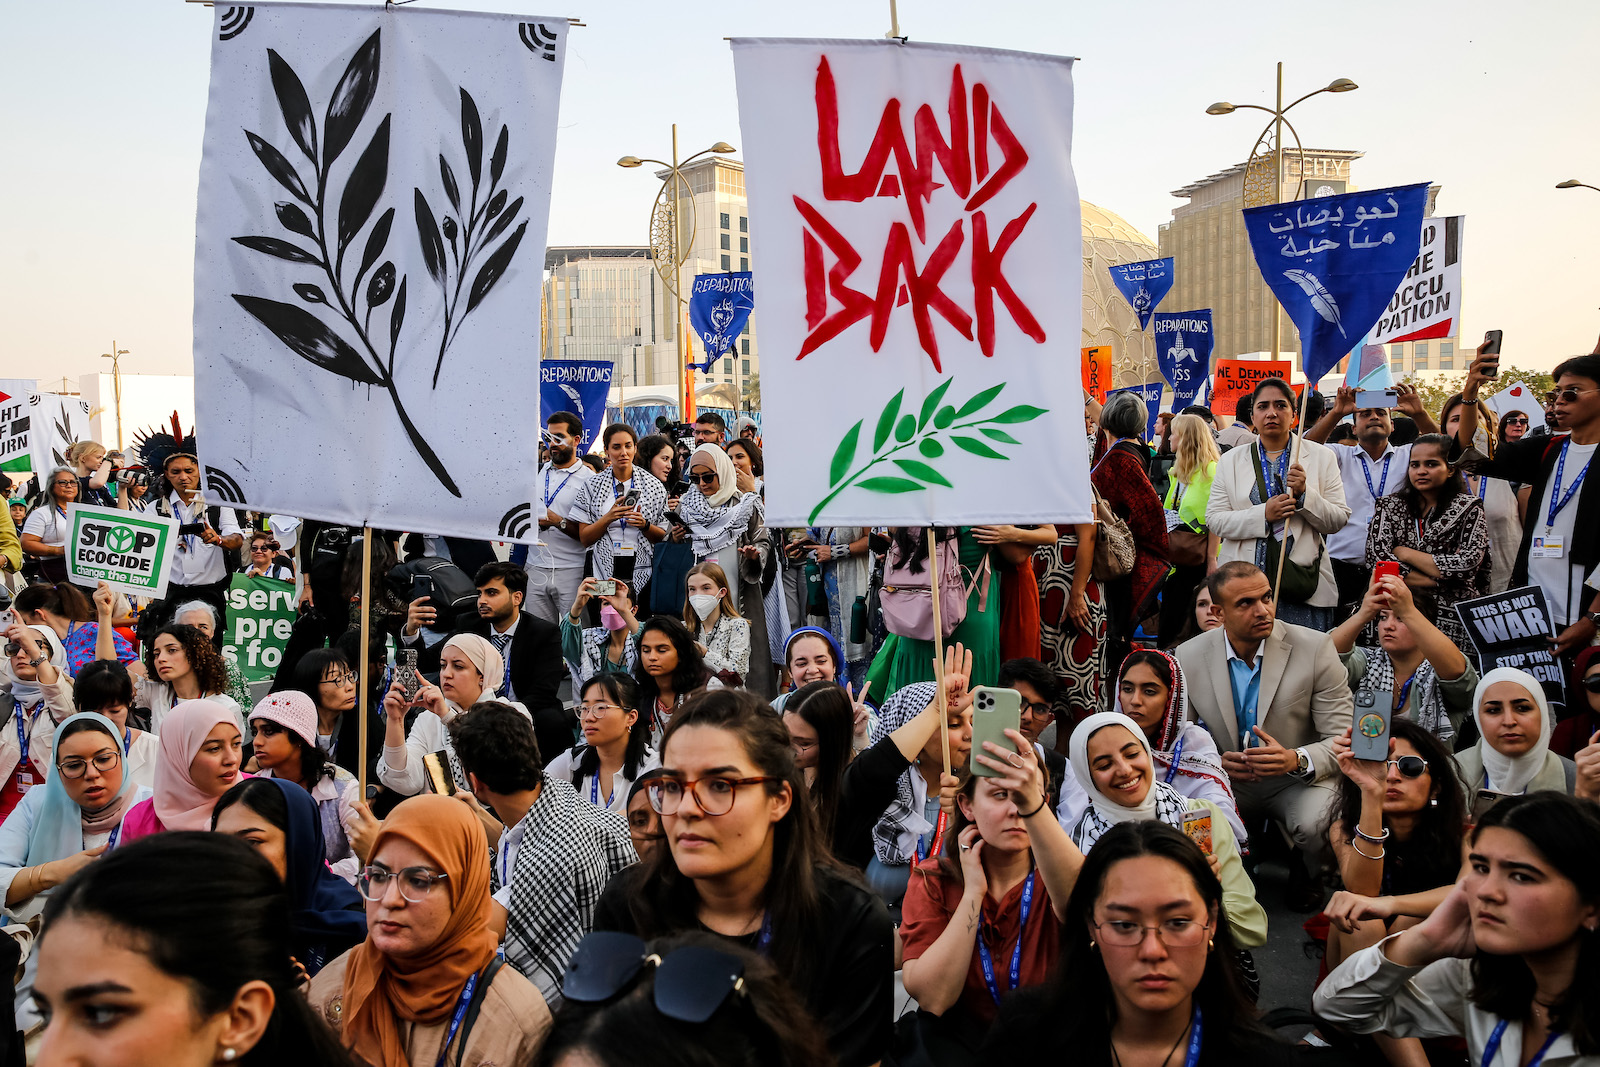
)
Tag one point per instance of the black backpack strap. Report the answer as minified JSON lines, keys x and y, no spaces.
{"x":475,"y":1005}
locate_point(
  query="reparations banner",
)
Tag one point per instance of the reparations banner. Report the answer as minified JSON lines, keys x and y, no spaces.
{"x":1514,"y":629}
{"x":1150,"y":395}
{"x":911,"y":203}
{"x":1334,"y":262}
{"x":1183,"y":352}
{"x":1144,"y":285}
{"x":719,"y":306}
{"x":369,"y":243}
{"x":131,"y":551}
{"x":260,"y":617}
{"x":579,"y":386}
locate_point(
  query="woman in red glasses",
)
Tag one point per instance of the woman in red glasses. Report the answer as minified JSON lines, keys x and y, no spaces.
{"x":744,"y":860}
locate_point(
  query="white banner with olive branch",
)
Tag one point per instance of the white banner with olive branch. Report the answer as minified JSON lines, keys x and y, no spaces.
{"x":917,"y":233}
{"x":374,"y":195}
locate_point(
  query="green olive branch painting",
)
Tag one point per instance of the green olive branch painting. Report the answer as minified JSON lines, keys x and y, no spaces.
{"x":925,"y":432}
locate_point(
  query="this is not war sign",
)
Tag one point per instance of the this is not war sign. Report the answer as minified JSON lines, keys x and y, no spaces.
{"x":1183,"y":352}
{"x":260,"y":615}
{"x":1428,"y":302}
{"x":130,"y":552}
{"x":1513,"y":629}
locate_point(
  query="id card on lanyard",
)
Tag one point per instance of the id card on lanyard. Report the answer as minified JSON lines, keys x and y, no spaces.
{"x":1549,"y":544}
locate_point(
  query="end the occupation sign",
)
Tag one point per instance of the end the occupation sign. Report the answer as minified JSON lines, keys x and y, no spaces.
{"x":131,"y":552}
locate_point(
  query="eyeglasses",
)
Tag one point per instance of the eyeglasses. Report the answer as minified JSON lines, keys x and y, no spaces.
{"x":64,"y":484}
{"x":1592,"y":683}
{"x":692,"y":982}
{"x":1037,"y":709}
{"x":596,"y":711}
{"x":1516,"y":422}
{"x":415,"y":883}
{"x":1409,"y":766}
{"x":666,"y":794}
{"x":264,"y":546}
{"x":341,"y":680}
{"x":1569,"y":395}
{"x":702,"y":479}
{"x":76,"y":767}
{"x":1173,"y":933}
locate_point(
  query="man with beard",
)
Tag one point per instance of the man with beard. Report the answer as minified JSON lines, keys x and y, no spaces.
{"x":555,"y":567}
{"x":1370,"y":468}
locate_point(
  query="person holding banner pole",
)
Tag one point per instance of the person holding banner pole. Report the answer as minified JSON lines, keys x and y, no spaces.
{"x":1564,"y":506}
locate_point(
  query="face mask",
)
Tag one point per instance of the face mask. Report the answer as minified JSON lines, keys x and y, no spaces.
{"x":610,"y":619}
{"x":704,"y":603}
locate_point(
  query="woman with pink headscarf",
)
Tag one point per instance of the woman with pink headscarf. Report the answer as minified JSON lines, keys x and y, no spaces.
{"x":200,"y":759}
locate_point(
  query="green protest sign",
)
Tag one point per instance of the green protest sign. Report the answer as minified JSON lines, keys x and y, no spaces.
{"x":132,"y":551}
{"x":260,"y":615}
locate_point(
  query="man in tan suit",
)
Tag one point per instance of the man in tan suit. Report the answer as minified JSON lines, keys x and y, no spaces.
{"x":1283,"y":690}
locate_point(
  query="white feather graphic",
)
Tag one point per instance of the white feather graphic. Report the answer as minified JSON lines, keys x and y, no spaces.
{"x":577,"y":404}
{"x":1321,"y":299}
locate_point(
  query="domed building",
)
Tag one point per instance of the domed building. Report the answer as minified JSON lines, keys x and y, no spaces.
{"x":1108,"y":318}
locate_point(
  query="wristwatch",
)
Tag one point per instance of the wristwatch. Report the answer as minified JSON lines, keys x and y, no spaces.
{"x":1594,"y":617}
{"x":1302,"y":765}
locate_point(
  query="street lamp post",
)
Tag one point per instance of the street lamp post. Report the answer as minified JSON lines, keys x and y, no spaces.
{"x":1573,"y":183}
{"x":681,"y":244}
{"x":1222,"y":107}
{"x":115,"y":356}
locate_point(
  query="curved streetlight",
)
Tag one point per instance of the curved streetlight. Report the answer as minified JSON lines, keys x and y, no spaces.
{"x":679,"y":254}
{"x":1573,"y":183}
{"x":115,"y":356}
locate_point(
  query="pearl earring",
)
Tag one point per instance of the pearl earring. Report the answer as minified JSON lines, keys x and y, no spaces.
{"x":229,"y":1055}
{"x":1433,"y":802}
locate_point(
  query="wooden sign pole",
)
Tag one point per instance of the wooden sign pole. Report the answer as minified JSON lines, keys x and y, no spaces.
{"x":365,"y":683}
{"x":938,"y":650}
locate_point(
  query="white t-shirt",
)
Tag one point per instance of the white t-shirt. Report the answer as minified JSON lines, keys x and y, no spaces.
{"x":561,"y":767}
{"x":558,"y":488}
{"x":1561,"y":579}
{"x":1387,"y":474}
{"x":47,"y":524}
{"x":195,"y":562}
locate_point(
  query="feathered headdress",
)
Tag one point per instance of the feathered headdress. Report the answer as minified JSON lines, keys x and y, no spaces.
{"x":156,"y":446}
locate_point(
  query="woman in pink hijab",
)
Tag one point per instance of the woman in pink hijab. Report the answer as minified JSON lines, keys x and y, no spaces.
{"x":199,"y":760}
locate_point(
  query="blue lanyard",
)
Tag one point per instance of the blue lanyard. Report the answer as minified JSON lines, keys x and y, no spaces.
{"x":1483,"y":485}
{"x":22,"y":737}
{"x":1557,"y":501}
{"x":1404,"y":690}
{"x":1492,"y":1049}
{"x":1383,"y":477}
{"x":505,"y":858}
{"x":1177,"y":754}
{"x":1266,"y":471}
{"x":455,"y":1021}
{"x":547,"y":497}
{"x":116,"y":832}
{"x":127,"y":740}
{"x":1193,"y":1057}
{"x":594,"y":790}
{"x":764,"y":938}
{"x":1016,"y":953}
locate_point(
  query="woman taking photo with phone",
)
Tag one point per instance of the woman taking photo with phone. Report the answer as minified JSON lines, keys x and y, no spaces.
{"x":1438,"y":533}
{"x":1509,"y":961}
{"x":607,"y":647}
{"x":1504,"y":503}
{"x":742,"y":859}
{"x":1006,"y":871}
{"x":426,"y":987}
{"x":139,"y":968}
{"x":722,"y":634}
{"x":1151,"y":691}
{"x":1146,"y":972}
{"x":616,"y":746}
{"x":1112,"y":762}
{"x":669,"y":672}
{"x":1513,"y":754}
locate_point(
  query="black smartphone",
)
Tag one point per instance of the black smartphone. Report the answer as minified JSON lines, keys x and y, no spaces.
{"x":1492,"y":348}
{"x":421,"y":586}
{"x":1484,"y":800}
{"x":630,"y":499}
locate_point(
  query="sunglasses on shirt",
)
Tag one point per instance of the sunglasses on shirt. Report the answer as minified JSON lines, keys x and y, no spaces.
{"x":692,"y":982}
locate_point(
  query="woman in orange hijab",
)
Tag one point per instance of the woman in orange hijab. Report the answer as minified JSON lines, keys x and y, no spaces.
{"x":426,"y":984}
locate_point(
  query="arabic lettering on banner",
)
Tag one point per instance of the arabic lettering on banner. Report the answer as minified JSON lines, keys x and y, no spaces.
{"x":1143,"y":285}
{"x":1235,"y":379}
{"x":1334,"y":262}
{"x":1514,"y":629}
{"x":1097,"y":371}
{"x":911,"y":202}
{"x":1150,"y":395}
{"x":579,"y":386}
{"x":1183,"y":352}
{"x":1428,"y":302}
{"x":719,"y":306}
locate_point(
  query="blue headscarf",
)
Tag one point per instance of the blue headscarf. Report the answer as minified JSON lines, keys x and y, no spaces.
{"x":839,"y":673}
{"x":326,"y":914}
{"x":57,"y":830}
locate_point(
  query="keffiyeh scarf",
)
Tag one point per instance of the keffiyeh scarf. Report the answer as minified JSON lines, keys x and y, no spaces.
{"x":1427,"y":708}
{"x":897,"y":831}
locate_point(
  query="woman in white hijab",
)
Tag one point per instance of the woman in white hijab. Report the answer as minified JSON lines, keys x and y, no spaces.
{"x":1513,"y":752}
{"x":470,"y":670}
{"x":718,"y":509}
{"x":1112,"y":762}
{"x":35,"y":694}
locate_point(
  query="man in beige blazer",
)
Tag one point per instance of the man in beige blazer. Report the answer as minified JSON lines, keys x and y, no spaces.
{"x":1282,"y":689}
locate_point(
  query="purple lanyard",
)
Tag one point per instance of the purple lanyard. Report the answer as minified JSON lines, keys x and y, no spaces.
{"x":1016,"y":953}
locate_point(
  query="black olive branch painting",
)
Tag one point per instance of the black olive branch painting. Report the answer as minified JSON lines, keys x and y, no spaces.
{"x":344,"y":289}
{"x":905,"y":446}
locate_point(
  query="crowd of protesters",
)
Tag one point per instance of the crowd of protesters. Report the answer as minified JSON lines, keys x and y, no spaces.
{"x":675,"y":786}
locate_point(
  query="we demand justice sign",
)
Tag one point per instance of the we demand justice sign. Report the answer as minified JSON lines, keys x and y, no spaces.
{"x":130,"y":552}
